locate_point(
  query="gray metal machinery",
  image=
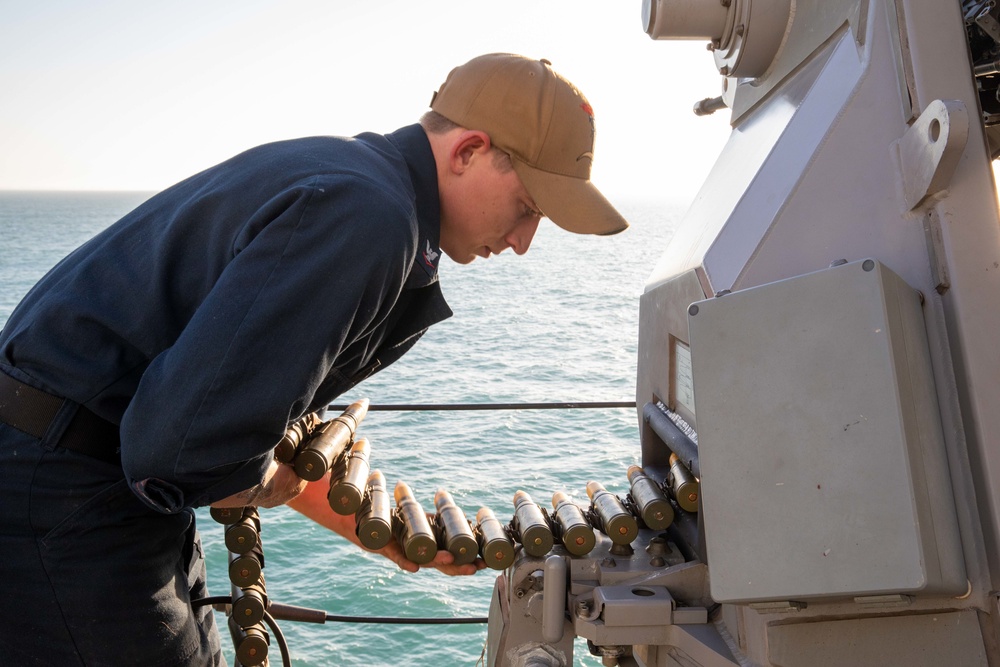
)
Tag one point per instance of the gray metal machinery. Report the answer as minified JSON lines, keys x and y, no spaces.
{"x":819,"y":350}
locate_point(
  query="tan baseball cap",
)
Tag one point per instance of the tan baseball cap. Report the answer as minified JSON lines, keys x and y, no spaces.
{"x":544,"y":123}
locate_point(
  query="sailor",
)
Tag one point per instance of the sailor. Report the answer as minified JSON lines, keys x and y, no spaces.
{"x":154,"y":369}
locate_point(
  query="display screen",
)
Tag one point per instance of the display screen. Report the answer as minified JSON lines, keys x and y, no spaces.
{"x":682,"y":384}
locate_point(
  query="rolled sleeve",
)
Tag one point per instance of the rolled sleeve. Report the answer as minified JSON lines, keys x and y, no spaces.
{"x":169,"y":498}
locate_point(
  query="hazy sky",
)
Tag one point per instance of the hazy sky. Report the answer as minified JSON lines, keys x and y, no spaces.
{"x":120,"y":94}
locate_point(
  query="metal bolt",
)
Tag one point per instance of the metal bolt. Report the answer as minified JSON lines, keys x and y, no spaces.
{"x":740,"y":29}
{"x":658,"y":547}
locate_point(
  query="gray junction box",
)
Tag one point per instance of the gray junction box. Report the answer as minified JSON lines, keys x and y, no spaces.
{"x":824,"y":472}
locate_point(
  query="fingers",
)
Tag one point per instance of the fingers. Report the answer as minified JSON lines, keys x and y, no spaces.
{"x":443,"y":562}
{"x":461,"y":570}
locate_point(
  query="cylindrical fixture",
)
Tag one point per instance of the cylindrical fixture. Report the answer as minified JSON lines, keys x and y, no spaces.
{"x":249,"y":604}
{"x":495,"y":545}
{"x":411,"y":527}
{"x":374,"y":517}
{"x":250,"y":643}
{"x":684,"y":19}
{"x":245,"y":569}
{"x":456,"y":534}
{"x":616,"y":521}
{"x":242,"y":536}
{"x":654,"y":508}
{"x":683,"y":485}
{"x":575,"y":531}
{"x":532,"y":529}
{"x":672,"y":436}
{"x":554,"y":575}
{"x":328,"y":442}
{"x":297,"y":433}
{"x":346,"y":493}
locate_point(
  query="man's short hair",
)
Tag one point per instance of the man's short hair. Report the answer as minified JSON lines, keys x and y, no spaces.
{"x":435,"y":123}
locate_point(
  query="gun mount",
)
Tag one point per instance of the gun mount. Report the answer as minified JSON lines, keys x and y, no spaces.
{"x":817,"y":369}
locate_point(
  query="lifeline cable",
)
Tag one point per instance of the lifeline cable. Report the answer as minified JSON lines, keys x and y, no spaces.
{"x":422,"y":407}
{"x":286,"y":656}
{"x":312,"y":616}
{"x":392,"y":620}
{"x":407,"y":621}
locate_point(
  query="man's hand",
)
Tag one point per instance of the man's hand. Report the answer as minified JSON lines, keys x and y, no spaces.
{"x":314,"y":504}
{"x":280,"y":485}
{"x":444,"y":562}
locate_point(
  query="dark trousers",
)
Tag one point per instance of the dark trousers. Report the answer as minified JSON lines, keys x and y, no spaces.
{"x":88,"y":574}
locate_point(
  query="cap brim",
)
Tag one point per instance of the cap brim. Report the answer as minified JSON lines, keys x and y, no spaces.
{"x":572,"y":203}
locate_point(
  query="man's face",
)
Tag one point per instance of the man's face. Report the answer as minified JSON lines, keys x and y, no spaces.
{"x":489,"y":212}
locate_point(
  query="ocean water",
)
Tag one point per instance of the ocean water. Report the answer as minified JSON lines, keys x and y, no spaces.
{"x":557,"y":324}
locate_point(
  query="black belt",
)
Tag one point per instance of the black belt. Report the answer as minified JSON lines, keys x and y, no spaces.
{"x":32,"y":410}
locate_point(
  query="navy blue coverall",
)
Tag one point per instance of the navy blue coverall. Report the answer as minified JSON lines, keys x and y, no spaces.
{"x":195,"y":329}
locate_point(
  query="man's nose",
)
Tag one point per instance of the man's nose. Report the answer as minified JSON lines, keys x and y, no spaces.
{"x":520,"y":238}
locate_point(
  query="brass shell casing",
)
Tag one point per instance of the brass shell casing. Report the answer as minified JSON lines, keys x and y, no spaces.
{"x":329,"y":441}
{"x":251,"y":643}
{"x":618,"y":522}
{"x":249,"y":605}
{"x":297,"y":433}
{"x":683,"y":485}
{"x":320,"y":452}
{"x":374,"y":517}
{"x":226,"y":515}
{"x":411,"y":528}
{"x":532,"y":528}
{"x":495,"y":545}
{"x":245,"y":569}
{"x":654,"y":507}
{"x":576,"y":533}
{"x":243,"y":535}
{"x":347,"y":492}
{"x":456,"y":534}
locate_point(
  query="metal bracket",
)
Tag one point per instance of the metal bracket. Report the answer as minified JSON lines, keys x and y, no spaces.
{"x":930,"y":150}
{"x":632,"y":614}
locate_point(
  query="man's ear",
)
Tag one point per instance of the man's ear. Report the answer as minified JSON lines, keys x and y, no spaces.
{"x":466,"y":147}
